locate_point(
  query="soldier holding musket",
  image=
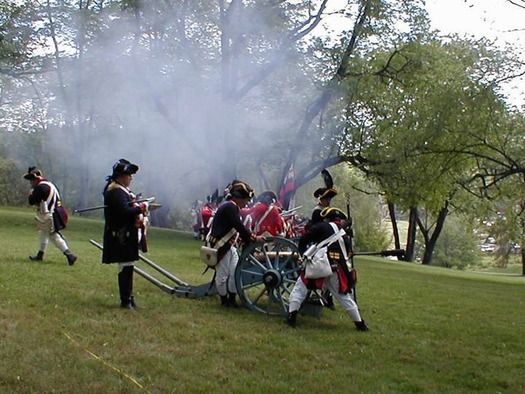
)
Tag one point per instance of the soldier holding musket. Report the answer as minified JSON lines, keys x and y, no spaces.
{"x":324,"y":196}
{"x":123,"y":230}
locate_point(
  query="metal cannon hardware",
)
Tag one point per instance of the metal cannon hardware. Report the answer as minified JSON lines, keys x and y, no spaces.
{"x":273,"y":255}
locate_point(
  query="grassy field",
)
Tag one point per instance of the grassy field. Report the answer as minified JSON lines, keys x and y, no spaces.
{"x":433,"y":330}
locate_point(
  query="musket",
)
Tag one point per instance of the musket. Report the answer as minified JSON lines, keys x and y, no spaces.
{"x":384,"y":253}
{"x":89,"y":209}
{"x":290,"y":211}
{"x":350,"y":232}
{"x":148,"y":200}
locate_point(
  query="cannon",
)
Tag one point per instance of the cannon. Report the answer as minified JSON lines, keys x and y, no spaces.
{"x":265,"y":276}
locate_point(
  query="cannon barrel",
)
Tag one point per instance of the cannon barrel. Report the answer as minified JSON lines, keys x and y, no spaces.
{"x":272,"y":255}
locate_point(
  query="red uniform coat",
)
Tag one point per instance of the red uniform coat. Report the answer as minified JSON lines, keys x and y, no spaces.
{"x":272,"y":223}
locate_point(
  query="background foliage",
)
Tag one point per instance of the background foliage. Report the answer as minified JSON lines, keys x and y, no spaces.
{"x":199,"y":93}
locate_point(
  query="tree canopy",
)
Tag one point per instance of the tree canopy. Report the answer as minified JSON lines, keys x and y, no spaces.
{"x":201,"y":92}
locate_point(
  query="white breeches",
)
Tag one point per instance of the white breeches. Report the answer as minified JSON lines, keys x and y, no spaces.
{"x":125,"y":264}
{"x":225,"y":273}
{"x":299,"y":293}
{"x":46,"y":232}
{"x":45,"y":236}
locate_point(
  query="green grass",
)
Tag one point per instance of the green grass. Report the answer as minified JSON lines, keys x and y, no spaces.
{"x":433,"y":330}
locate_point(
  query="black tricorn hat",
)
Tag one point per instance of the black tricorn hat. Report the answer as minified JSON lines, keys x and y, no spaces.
{"x":332,"y":213}
{"x":239,"y":189}
{"x":123,"y":167}
{"x":325,"y":192}
{"x":32,"y":173}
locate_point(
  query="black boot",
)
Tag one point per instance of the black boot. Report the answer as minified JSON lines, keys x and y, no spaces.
{"x":231,"y":300}
{"x":39,"y":256}
{"x":71,"y":258}
{"x":291,"y":319}
{"x":329,"y":300}
{"x":130,"y":285}
{"x":224,"y":301}
{"x":361,"y":325}
{"x":124,"y":289}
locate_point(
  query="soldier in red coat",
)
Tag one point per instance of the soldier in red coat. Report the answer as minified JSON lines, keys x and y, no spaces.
{"x":266,"y":216}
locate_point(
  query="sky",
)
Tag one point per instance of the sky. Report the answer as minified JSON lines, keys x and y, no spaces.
{"x":491,"y":18}
{"x":498,"y":20}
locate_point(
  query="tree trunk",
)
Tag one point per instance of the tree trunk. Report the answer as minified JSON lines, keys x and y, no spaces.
{"x":430,"y":242}
{"x":395,"y":229}
{"x":326,"y":94}
{"x":523,"y":260}
{"x":411,"y":236}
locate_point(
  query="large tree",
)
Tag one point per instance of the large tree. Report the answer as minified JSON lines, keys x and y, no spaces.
{"x":198,"y":92}
{"x":411,"y":122}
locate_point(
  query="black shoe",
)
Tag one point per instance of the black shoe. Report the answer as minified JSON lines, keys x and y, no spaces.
{"x":71,"y":258}
{"x":330,"y":302}
{"x":224,"y":301}
{"x":361,"y":325}
{"x":291,"y":319}
{"x":38,"y":257}
{"x":128,"y":306}
{"x":231,"y":301}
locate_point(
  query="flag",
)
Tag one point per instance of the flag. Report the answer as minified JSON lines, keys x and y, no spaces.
{"x":287,"y":191}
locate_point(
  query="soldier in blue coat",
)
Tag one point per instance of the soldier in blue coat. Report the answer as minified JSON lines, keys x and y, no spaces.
{"x":227,"y":220}
{"x":45,"y":197}
{"x":122,"y":216}
{"x":339,"y":283}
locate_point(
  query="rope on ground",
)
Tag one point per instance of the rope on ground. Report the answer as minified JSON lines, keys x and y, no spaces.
{"x":131,"y":378}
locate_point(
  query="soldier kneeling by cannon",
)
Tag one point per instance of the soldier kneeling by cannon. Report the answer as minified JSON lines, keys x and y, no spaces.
{"x":338,"y":279}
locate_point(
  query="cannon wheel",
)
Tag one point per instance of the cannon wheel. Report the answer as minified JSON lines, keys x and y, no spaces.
{"x":266,"y":274}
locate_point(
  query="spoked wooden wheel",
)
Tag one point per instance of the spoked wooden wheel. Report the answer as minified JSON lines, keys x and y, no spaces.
{"x":266,"y":274}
